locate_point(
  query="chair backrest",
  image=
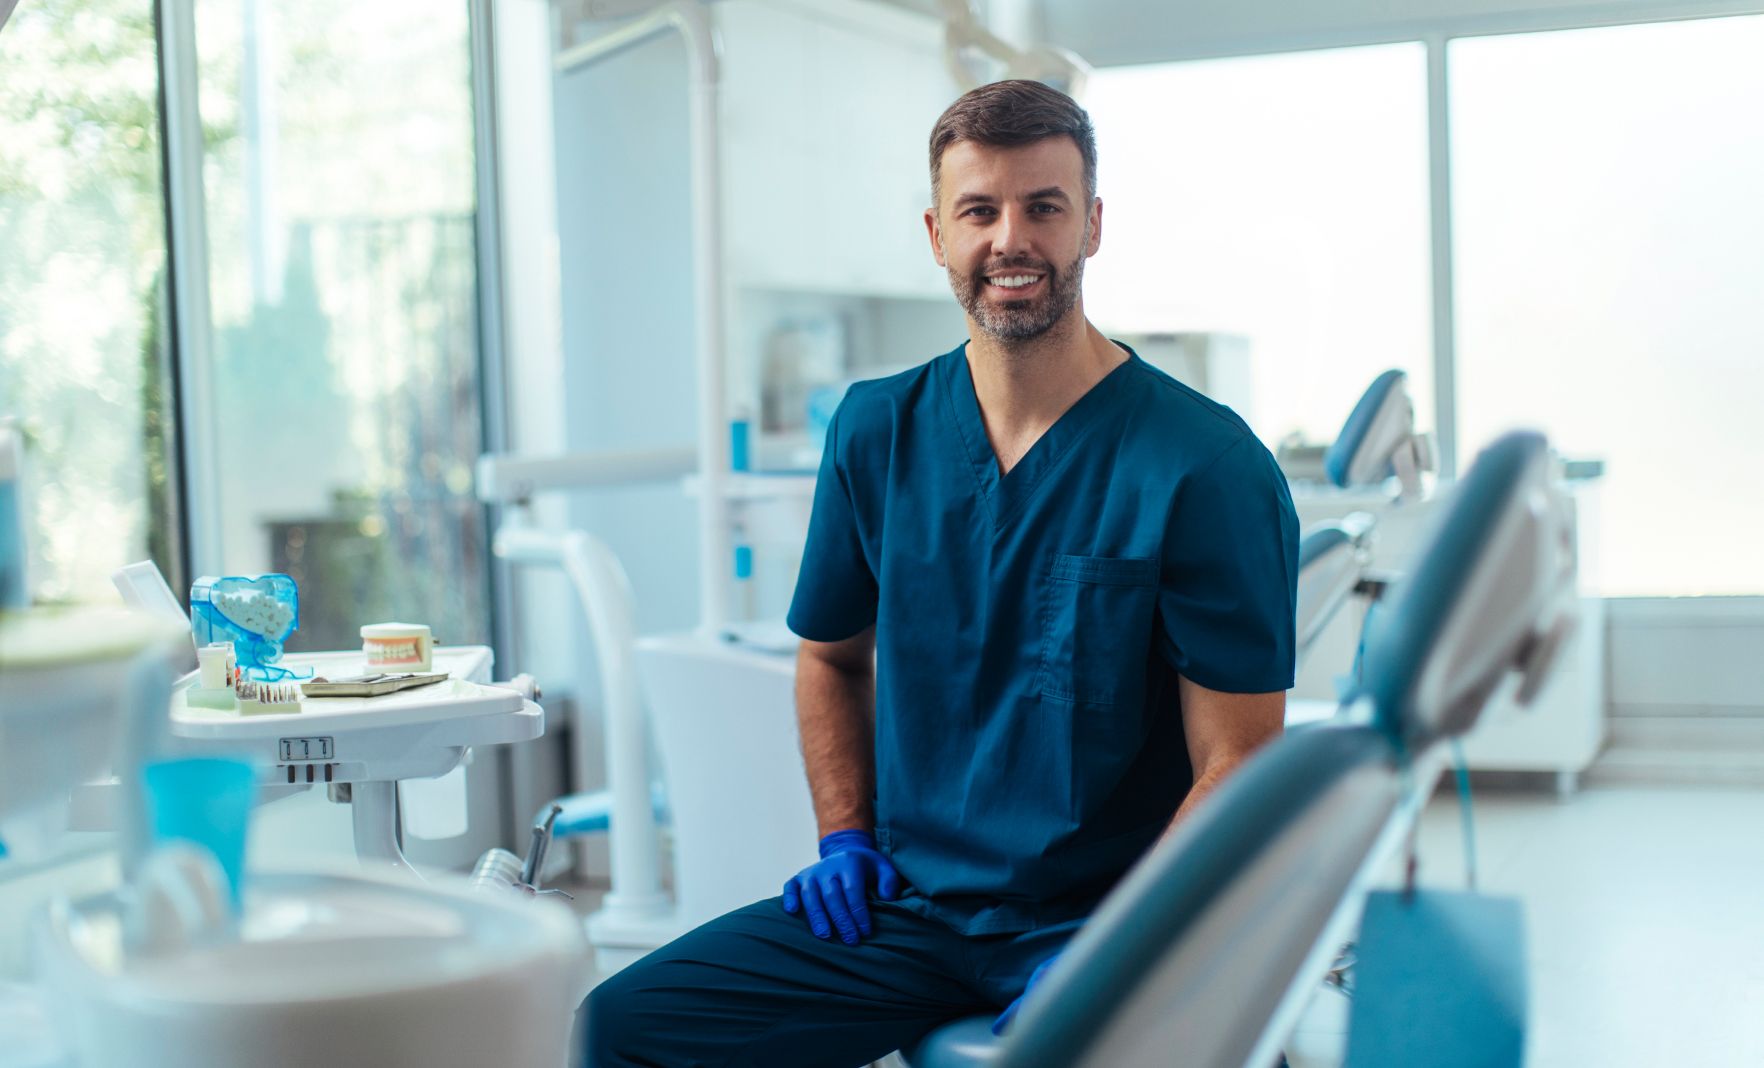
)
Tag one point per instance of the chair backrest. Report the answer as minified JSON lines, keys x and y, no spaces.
{"x":1226,"y":926}
{"x":1490,"y":594}
{"x":1195,"y":951}
{"x":1382,"y":421}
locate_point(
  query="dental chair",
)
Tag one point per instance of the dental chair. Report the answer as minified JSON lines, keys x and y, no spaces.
{"x":1379,"y":440}
{"x":1208,"y":951}
{"x":1332,"y":567}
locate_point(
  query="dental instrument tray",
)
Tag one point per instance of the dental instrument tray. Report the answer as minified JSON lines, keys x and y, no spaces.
{"x":416,"y":733}
{"x":374,"y":685}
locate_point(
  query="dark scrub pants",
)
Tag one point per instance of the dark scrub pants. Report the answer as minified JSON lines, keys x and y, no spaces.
{"x":1031,"y":629}
{"x":757,"y":989}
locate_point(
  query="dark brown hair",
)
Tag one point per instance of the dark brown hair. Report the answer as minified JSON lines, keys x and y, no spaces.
{"x":1010,"y":113}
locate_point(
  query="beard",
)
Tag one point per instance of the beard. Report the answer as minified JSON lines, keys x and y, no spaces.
{"x":1019,"y":320}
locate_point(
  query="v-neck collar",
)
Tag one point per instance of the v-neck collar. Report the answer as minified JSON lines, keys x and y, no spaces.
{"x":1005,"y":495}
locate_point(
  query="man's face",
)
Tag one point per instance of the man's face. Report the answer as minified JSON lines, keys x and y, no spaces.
{"x":1013,"y":228}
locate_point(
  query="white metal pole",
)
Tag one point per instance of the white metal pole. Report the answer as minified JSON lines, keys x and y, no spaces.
{"x":1445,"y":330}
{"x":715,"y":544}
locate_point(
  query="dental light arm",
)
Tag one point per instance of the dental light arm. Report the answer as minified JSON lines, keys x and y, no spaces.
{"x":504,"y":479}
{"x":964,"y":38}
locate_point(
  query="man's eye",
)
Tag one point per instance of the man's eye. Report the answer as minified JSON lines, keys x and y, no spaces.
{"x":1045,"y":209}
{"x":978,"y":211}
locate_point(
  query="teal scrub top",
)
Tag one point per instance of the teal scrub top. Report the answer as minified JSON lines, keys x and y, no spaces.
{"x":1030,"y":627}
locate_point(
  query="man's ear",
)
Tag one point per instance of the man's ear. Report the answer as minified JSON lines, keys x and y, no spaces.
{"x":935,"y":233}
{"x":1095,"y":227}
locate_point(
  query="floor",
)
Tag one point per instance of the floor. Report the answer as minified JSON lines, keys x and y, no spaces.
{"x":1644,"y":907}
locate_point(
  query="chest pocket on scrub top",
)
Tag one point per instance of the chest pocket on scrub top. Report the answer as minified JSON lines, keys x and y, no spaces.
{"x":1096,"y":627}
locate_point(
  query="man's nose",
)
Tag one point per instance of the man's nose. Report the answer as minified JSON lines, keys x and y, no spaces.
{"x":1011,"y":236}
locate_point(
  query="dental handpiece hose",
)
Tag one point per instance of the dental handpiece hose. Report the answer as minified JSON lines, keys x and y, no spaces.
{"x":537,"y":848}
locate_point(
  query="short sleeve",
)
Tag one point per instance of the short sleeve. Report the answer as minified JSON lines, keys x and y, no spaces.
{"x":836,"y":588}
{"x":1227,"y":597}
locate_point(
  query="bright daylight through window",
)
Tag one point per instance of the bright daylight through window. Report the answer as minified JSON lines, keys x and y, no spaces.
{"x":1607,"y":228}
{"x":1281,"y":199}
{"x":83,"y":329}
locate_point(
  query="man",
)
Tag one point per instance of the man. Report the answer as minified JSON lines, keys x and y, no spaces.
{"x":1046,"y":606}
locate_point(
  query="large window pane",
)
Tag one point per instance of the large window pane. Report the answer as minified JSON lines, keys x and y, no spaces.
{"x":1282,"y":198}
{"x":1608,"y":228}
{"x":341,"y":199}
{"x":82,"y":271}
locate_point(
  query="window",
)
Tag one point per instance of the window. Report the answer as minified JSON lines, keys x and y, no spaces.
{"x":1607,"y":227}
{"x":1281,"y":198}
{"x":82,"y":290}
{"x":343,"y":284}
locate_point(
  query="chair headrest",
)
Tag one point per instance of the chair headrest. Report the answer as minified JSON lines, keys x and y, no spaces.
{"x":1491,"y":593}
{"x":1382,"y":420}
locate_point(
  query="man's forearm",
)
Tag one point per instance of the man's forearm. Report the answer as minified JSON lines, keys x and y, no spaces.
{"x":835,"y":716}
{"x":1223,"y":731}
{"x":1204,"y":783}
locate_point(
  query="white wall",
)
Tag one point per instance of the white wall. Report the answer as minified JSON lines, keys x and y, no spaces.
{"x":628,"y":377}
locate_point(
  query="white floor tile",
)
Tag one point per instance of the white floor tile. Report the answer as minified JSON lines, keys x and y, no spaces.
{"x":1644,"y":908}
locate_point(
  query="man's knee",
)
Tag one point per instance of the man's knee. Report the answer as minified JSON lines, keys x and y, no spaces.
{"x":610,"y":1018}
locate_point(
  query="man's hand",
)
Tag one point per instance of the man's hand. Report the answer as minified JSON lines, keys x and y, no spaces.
{"x":835,"y":890}
{"x":1010,"y":1013}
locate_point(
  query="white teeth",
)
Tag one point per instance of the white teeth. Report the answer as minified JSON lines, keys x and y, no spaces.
{"x":1016,"y":281}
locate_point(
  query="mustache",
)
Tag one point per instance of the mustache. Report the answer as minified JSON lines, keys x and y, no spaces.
{"x":1024,"y":262}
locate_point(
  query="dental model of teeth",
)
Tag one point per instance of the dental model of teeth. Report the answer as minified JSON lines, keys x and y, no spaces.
{"x":254,"y":611}
{"x":266,"y":698}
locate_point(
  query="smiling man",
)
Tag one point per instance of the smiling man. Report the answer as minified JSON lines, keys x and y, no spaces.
{"x":1046,"y":606}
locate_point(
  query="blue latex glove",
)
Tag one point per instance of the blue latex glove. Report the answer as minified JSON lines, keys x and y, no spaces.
{"x":1010,"y":1013}
{"x":835,"y":890}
